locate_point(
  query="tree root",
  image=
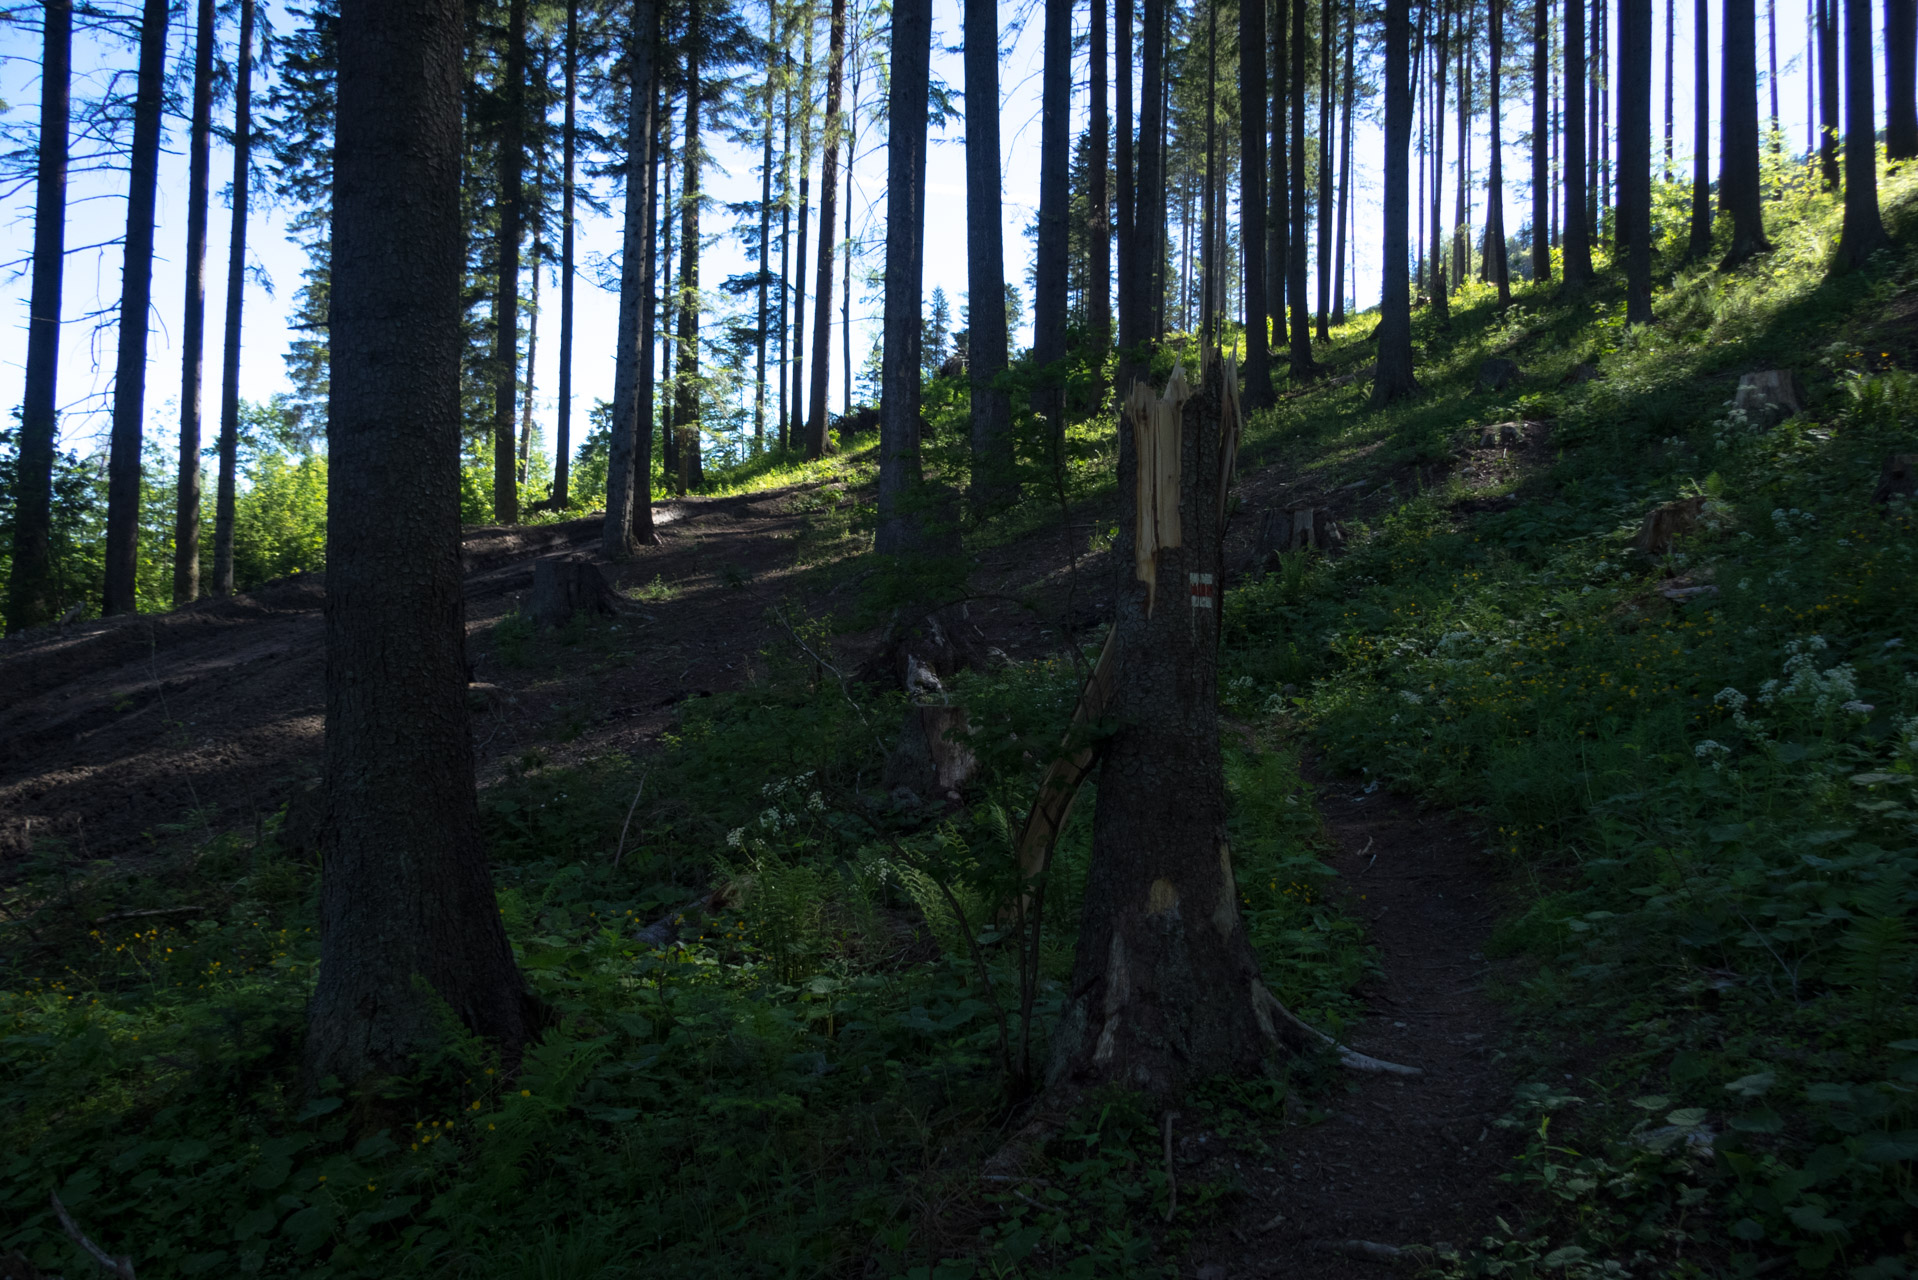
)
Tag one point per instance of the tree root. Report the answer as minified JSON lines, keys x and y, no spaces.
{"x":1288,"y":1027}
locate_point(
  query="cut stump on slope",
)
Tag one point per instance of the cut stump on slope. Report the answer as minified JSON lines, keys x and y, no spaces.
{"x":566,"y":585}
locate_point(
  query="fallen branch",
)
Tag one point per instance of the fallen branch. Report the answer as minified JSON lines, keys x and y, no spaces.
{"x":1365,"y":1250}
{"x":149,"y":911}
{"x":122,"y":1267}
{"x":621,"y":850}
{"x":1349,"y":1058}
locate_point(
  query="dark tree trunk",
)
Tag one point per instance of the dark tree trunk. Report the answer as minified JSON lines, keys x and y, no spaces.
{"x":1738,"y":134}
{"x":1577,"y":234}
{"x":785,"y":251}
{"x":1099,"y":198}
{"x":1345,"y":172}
{"x":1496,"y":265}
{"x":816,"y":435}
{"x":30,"y":593}
{"x":1671,"y":41}
{"x":1125,"y":154}
{"x":1771,"y":80}
{"x":1055,"y":200}
{"x":1441,"y":293}
{"x":1828,"y":123}
{"x":1252,"y":99}
{"x":1595,"y":125}
{"x":1864,"y":230}
{"x":1210,"y":229}
{"x":691,"y":470}
{"x":668,"y":300}
{"x":225,"y":495}
{"x":1461,"y":206}
{"x":524,"y":464}
{"x":1901,"y":79}
{"x":765,"y":246}
{"x":629,"y":464}
{"x":408,"y":922}
{"x":901,"y":529}
{"x":136,"y":297}
{"x":512,"y":159}
{"x":1165,"y":986}
{"x":994,"y":483}
{"x":845,"y":295}
{"x":1149,"y":216}
{"x":796,"y":431}
{"x":1302,"y":367}
{"x":650,"y":23}
{"x":1328,"y":59}
{"x":1699,"y":246}
{"x":1542,"y":139}
{"x":569,"y":143}
{"x":1394,"y":376}
{"x":1279,"y":194}
{"x":186,"y":509}
{"x":1635,"y":155}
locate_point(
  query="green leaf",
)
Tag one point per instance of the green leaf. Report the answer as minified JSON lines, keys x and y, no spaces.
{"x":1655,"y":1102}
{"x":1812,"y":1218}
{"x":1687,"y":1117}
{"x":1761,"y":1120}
{"x":317,"y":1108}
{"x":1747,"y":1229}
{"x":255,"y":1223}
{"x":271,"y":1172}
{"x":188,"y":1152}
{"x":1753,"y":1085}
{"x":202,"y":1262}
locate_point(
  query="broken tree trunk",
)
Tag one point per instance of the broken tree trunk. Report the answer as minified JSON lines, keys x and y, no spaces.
{"x":931,"y":758}
{"x":567,"y":585}
{"x":1770,"y":396}
{"x":1165,"y":985}
{"x":1666,"y":524}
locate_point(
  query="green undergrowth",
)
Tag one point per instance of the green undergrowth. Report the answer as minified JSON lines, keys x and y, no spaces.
{"x":797,"y":1075}
{"x":1698,"y":765}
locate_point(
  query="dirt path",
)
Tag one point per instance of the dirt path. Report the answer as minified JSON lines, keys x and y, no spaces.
{"x":1396,"y":1162}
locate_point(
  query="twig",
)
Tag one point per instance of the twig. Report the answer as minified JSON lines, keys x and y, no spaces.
{"x":1349,"y":1058}
{"x":1171,"y":1179}
{"x":122,"y":1267}
{"x":621,"y":850}
{"x":150,"y":911}
{"x":1375,"y":857}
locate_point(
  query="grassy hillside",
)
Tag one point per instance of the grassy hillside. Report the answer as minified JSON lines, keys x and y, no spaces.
{"x":1697,"y":766}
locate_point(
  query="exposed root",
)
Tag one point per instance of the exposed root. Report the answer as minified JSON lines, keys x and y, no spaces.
{"x":1301,"y":1035}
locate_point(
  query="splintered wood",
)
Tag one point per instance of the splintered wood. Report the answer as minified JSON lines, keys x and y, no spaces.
{"x":1156,"y":422}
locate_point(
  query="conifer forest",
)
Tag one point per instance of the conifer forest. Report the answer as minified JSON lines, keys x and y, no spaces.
{"x":1202,"y":639}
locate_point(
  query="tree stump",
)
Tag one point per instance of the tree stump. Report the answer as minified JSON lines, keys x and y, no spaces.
{"x":1769,"y":397}
{"x":1501,"y":434}
{"x":1899,"y":478}
{"x":1582,"y":372}
{"x":1497,"y":374}
{"x":1665,"y":525}
{"x":1297,"y":528}
{"x":567,"y":585}
{"x":931,"y":758}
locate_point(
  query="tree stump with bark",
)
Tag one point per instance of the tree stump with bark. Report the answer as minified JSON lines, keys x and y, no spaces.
{"x":567,"y":585}
{"x":1297,"y":528}
{"x":1899,"y":479}
{"x":1165,"y":984}
{"x":1664,"y":525}
{"x":1770,"y":396}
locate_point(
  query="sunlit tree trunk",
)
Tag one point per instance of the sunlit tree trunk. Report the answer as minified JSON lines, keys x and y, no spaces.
{"x":409,"y":928}
{"x":30,"y":589}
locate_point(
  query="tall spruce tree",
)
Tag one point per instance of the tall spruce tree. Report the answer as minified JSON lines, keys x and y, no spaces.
{"x":1049,"y":308}
{"x":901,"y":526}
{"x":1740,"y":195}
{"x":186,"y":507}
{"x":816,"y":436}
{"x":1635,"y":155}
{"x":1577,"y":236}
{"x":1863,"y":233}
{"x":1698,"y":245}
{"x":629,"y":512}
{"x":512,"y":196}
{"x":993,"y":482}
{"x":1252,"y":198}
{"x":226,"y":493}
{"x":1393,"y":377}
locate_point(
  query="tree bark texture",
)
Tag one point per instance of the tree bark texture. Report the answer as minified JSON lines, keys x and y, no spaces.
{"x":1496,"y":265}
{"x":136,"y":297}
{"x":1828,"y":121}
{"x":30,"y":590}
{"x":1099,"y":196}
{"x":765,"y":241}
{"x":994,"y":483}
{"x":225,"y":495}
{"x":1699,"y":245}
{"x":628,"y":464}
{"x":796,"y":431}
{"x":1542,"y":139}
{"x":1328,"y":60}
{"x":1278,"y":237}
{"x":1125,"y":155}
{"x":1901,"y":79}
{"x":1635,"y":155}
{"x":687,"y":431}
{"x":1055,"y":201}
{"x":1393,"y":378}
{"x":1863,"y":233}
{"x":1137,"y":321}
{"x":1577,"y":234}
{"x":512,"y":158}
{"x":186,"y":506}
{"x":569,"y":142}
{"x":1165,"y":986}
{"x":1345,"y":172}
{"x":1301,"y":353}
{"x":1441,"y":294}
{"x":817,"y":440}
{"x":1252,"y":99}
{"x":900,"y":530}
{"x":1738,"y":133}
{"x":408,"y":920}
